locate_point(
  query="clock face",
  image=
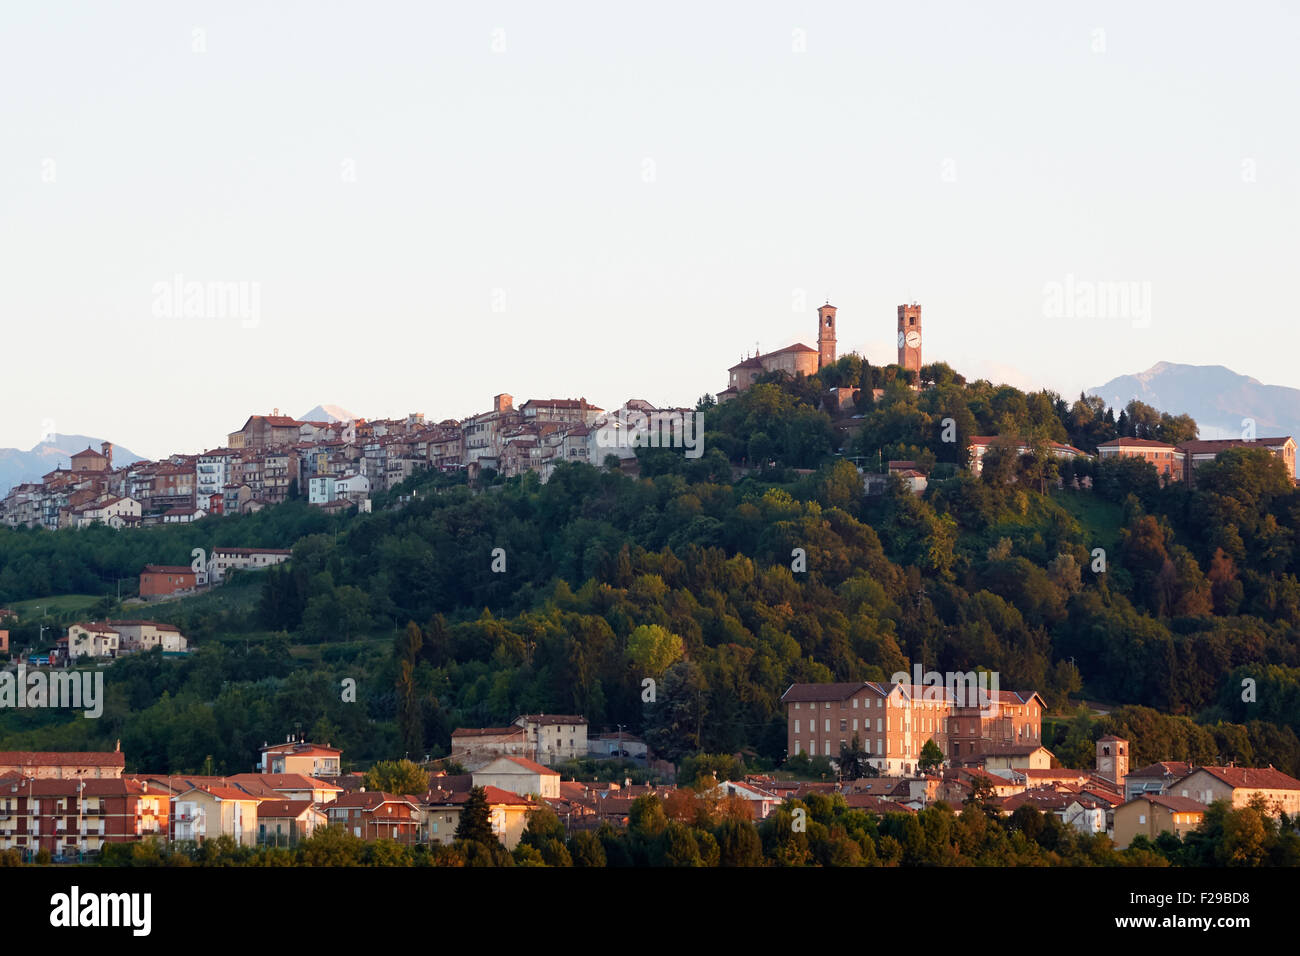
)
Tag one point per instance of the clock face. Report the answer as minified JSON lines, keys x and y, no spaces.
{"x":901,"y":339}
{"x":913,"y":339}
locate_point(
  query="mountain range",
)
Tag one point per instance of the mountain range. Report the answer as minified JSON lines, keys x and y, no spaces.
{"x":17,"y":466}
{"x":1217,"y":397}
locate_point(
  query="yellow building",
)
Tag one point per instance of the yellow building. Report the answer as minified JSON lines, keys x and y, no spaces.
{"x":1155,"y":813}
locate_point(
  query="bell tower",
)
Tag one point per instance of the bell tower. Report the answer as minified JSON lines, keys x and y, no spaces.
{"x":1112,"y":758}
{"x":825,"y":336}
{"x":909,"y":337}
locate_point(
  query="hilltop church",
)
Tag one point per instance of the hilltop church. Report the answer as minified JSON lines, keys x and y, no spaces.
{"x":800,"y":359}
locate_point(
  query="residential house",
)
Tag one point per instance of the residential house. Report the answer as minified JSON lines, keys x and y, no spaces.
{"x":297,"y":756}
{"x":1152,"y":814}
{"x":93,"y":639}
{"x":162,"y":580}
{"x":518,"y":775}
{"x":555,"y":738}
{"x":211,"y":810}
{"x":373,"y":815}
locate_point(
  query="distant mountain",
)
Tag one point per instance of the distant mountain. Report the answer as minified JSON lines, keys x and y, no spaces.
{"x":1217,"y":397}
{"x":17,"y":466}
{"x":327,"y":413}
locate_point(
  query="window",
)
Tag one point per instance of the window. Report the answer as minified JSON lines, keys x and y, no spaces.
{"x":1142,"y":818}
{"x":828,"y":726}
{"x":844,"y":724}
{"x":796,"y":725}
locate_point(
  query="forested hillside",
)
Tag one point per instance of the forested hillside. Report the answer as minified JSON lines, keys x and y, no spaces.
{"x":688,"y":575}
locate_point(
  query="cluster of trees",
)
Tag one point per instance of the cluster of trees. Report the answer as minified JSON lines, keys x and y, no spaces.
{"x":695,"y":829}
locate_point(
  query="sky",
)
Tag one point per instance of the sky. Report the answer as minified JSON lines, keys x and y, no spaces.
{"x":411,"y":207}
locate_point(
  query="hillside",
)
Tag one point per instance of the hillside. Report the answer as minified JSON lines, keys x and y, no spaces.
{"x":685,"y":576}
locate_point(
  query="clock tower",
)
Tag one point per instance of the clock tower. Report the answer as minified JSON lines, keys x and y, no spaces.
{"x":909,"y":337}
{"x":825,"y":336}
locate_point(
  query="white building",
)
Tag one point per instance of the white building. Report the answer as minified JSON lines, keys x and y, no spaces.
{"x":241,"y":559}
{"x":519,"y":775}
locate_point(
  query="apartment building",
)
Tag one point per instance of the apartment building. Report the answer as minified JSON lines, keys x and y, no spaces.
{"x":78,"y":816}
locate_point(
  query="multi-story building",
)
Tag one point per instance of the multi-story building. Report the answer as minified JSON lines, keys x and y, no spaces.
{"x":262,"y":431}
{"x":71,"y":816}
{"x":1152,"y":814}
{"x":1164,"y":457}
{"x":212,"y":471}
{"x":139,"y":636}
{"x":208,"y":811}
{"x":160,"y":580}
{"x":298,"y":756}
{"x":1197,"y":453}
{"x":93,"y":639}
{"x":892,"y":722}
{"x":371,"y":815}
{"x":554,"y":738}
{"x":1241,"y":785}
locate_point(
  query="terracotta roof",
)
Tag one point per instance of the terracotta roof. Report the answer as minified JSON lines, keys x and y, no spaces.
{"x":1171,"y":802}
{"x":167,"y":569}
{"x":1253,"y":778}
{"x":1216,"y":445}
{"x":549,"y":719}
{"x":818,"y":692}
{"x":1135,"y":443}
{"x":50,"y":758}
{"x":282,"y":808}
{"x":369,"y":800}
{"x":487,"y":731}
{"x":530,"y":765}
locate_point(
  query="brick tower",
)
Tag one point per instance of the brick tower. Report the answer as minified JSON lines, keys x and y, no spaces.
{"x":825,"y":336}
{"x":909,"y":336}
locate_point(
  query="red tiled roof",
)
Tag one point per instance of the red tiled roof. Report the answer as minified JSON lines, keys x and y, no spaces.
{"x":1253,"y":778}
{"x":52,"y":758}
{"x":530,"y":765}
{"x":1171,"y":802}
{"x":1204,"y":446}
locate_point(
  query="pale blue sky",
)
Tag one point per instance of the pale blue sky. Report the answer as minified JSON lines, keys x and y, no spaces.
{"x":962,"y":155}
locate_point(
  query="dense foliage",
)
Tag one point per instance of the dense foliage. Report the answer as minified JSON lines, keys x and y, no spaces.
{"x":690,"y":577}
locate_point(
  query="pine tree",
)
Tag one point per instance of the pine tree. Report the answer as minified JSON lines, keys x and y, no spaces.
{"x":475,"y":820}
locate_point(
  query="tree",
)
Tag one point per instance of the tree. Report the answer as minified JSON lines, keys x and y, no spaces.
{"x":397,"y":776}
{"x":475,"y":824}
{"x":652,"y":649}
{"x":931,"y":756}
